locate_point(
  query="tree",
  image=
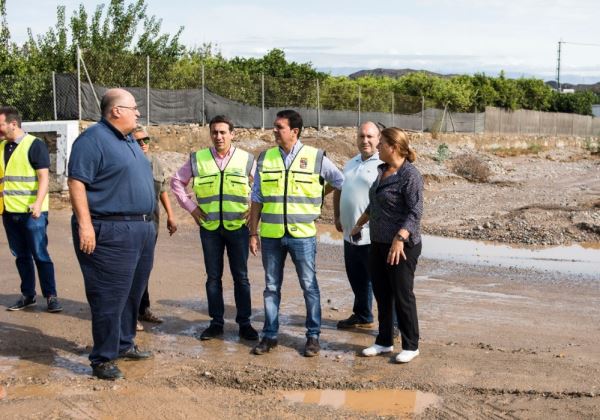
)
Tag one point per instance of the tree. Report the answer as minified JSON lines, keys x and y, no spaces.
{"x":114,"y":41}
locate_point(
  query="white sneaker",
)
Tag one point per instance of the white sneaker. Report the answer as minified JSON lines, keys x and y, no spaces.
{"x":406,"y":356}
{"x":376,"y":349}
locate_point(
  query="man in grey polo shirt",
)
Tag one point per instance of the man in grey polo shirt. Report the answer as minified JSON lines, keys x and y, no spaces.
{"x":359,"y":174}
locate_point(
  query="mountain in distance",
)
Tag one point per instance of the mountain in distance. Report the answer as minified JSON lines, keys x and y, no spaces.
{"x":395,"y":73}
{"x":577,"y":87}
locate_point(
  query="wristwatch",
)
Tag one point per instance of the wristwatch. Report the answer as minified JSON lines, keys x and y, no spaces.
{"x":400,"y":237}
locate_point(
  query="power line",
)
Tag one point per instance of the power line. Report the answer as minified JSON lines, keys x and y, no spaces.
{"x":580,"y":43}
{"x":558,"y":59}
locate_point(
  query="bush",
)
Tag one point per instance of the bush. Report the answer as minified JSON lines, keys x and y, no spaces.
{"x":472,"y":168}
{"x":443,"y":153}
{"x":533,"y":148}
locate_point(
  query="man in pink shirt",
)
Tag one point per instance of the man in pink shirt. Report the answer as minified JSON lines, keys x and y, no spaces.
{"x":221,"y":177}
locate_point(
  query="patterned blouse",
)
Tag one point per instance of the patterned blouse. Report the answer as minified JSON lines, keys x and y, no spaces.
{"x":396,"y":203}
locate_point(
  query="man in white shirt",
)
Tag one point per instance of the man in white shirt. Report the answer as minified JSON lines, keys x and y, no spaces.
{"x":359,"y":174}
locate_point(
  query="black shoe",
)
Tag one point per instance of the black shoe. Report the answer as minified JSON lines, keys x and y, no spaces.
{"x":213,"y":331}
{"x":54,"y":305}
{"x":107,"y":370}
{"x":248,"y":333}
{"x":312,"y":347}
{"x":135,"y":353}
{"x":22,"y":303}
{"x":353,"y":322}
{"x":265,"y":346}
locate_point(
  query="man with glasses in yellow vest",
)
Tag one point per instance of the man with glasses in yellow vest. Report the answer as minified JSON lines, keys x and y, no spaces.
{"x":221,"y":177}
{"x":24,"y":180}
{"x":287,"y":197}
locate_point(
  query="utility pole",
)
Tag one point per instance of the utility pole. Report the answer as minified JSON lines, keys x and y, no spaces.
{"x":560,"y":43}
{"x":558,"y":66}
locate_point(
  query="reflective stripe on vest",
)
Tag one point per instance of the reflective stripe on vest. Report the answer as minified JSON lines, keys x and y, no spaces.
{"x":18,"y":179}
{"x":292,"y":198}
{"x":222,"y":195}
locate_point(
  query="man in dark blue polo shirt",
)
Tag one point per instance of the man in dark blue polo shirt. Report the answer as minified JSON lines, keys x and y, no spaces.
{"x":112,"y":193}
{"x":24,"y":180}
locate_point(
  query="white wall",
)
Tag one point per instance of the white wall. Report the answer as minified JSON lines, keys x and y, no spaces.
{"x":66,"y":133}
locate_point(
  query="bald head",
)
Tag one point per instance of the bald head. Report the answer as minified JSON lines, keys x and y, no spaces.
{"x":119,"y":108}
{"x":367,"y":139}
{"x":112,"y":98}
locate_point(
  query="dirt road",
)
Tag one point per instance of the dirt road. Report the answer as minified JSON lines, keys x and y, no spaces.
{"x":496,"y":342}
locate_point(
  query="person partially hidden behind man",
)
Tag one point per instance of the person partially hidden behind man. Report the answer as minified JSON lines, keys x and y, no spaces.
{"x":24,"y":180}
{"x":112,"y":193}
{"x":359,"y":174}
{"x":160,"y":189}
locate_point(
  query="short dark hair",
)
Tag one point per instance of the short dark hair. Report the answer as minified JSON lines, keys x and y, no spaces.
{"x":11,"y":114}
{"x":294,"y":119}
{"x":221,"y":119}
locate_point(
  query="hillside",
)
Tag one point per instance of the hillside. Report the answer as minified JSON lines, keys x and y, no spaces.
{"x":394,"y":73}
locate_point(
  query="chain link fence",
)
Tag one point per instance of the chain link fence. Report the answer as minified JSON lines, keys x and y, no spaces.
{"x":198,"y":93}
{"x":32,"y":95}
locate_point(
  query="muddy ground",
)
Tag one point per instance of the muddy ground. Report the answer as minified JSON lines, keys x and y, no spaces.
{"x":496,"y":343}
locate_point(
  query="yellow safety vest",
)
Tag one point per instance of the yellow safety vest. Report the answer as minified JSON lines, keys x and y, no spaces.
{"x":222,"y":194}
{"x":292,"y":197}
{"x":18,"y":179}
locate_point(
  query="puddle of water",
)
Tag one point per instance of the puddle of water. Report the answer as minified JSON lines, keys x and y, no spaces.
{"x":574,"y":259}
{"x":385,"y":402}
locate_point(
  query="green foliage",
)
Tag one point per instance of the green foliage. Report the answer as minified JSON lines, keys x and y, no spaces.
{"x":443,"y":153}
{"x":116,"y":38}
{"x":577,"y":103}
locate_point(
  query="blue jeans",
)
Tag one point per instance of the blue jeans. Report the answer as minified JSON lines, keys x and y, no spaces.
{"x":115,"y":276}
{"x":303,"y":252}
{"x":214,"y":244}
{"x":356,"y":259}
{"x":28,"y":242}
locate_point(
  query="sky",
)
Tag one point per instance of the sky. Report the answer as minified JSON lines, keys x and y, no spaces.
{"x":445,"y":36}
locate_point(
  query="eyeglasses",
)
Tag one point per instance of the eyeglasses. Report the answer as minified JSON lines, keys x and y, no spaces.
{"x":133,"y":108}
{"x":144,"y":140}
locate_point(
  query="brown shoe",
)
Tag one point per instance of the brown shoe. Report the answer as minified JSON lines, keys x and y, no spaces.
{"x":312,"y":347}
{"x":148,"y":316}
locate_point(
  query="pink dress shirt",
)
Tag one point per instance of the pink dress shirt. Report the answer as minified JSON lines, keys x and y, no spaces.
{"x":182,"y":178}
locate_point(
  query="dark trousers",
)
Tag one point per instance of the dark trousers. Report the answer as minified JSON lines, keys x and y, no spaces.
{"x":28,"y":242}
{"x":393,"y":288}
{"x":214,"y":244}
{"x":145,"y":302}
{"x":356,"y":259}
{"x":115,"y":276}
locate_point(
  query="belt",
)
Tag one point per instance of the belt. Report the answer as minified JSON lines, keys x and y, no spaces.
{"x":126,"y":218}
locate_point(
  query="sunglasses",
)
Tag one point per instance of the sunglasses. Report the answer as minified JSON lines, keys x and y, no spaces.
{"x":145,"y":140}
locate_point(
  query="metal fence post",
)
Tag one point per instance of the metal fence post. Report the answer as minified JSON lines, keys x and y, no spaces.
{"x":422,"y":114}
{"x":318,"y":106}
{"x":147,"y":90}
{"x":79,"y":84}
{"x":203,"y":99}
{"x":54,"y":94}
{"x":392,"y":109}
{"x":358,"y":115}
{"x":262,"y":99}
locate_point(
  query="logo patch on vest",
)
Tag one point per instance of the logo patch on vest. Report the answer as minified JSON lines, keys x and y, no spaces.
{"x":303,"y":163}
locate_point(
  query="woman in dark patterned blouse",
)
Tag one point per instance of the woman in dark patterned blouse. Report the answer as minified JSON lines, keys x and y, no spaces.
{"x":394,"y":216}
